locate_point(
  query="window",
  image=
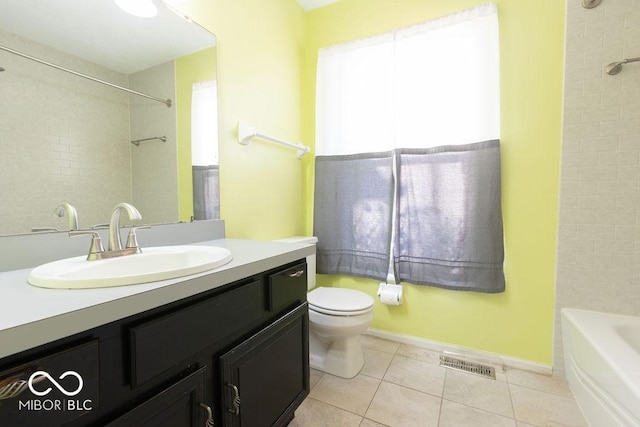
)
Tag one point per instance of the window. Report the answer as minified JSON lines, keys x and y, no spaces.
{"x":427,"y":85}
{"x":408,"y":157}
{"x":204,"y":150}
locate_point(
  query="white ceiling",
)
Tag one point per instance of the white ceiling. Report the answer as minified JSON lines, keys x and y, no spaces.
{"x":308,"y":5}
{"x":97,"y":30}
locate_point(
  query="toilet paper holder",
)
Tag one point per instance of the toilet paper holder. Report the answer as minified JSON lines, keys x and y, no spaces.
{"x":390,"y":294}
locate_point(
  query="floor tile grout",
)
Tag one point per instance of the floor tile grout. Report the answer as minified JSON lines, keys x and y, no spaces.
{"x":520,"y":380}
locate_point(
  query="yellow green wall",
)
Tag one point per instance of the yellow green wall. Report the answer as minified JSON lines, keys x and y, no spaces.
{"x":266,"y":75}
{"x":190,"y":69}
{"x":259,"y":58}
{"x":518,"y":322}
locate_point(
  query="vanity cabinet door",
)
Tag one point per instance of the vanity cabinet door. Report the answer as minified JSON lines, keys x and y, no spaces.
{"x":176,"y":406}
{"x":265,"y":378}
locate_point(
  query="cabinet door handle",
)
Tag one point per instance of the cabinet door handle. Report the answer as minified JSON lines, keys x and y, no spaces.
{"x":209,"y":422}
{"x":296,"y":274}
{"x":15,"y":384}
{"x":236,"y":400}
{"x":13,"y":389}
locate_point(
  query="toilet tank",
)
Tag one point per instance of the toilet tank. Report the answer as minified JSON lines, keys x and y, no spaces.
{"x":311,"y":259}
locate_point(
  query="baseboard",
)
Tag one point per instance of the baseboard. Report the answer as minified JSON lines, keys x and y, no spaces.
{"x":492,"y":358}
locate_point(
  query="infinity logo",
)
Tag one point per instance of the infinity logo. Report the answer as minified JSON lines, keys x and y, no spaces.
{"x":35,"y":378}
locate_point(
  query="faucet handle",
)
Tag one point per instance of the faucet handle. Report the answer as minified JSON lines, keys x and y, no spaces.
{"x":132,"y":238}
{"x":96,"y":243}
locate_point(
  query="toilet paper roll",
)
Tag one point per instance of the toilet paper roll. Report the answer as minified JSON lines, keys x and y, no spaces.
{"x":390,"y":294}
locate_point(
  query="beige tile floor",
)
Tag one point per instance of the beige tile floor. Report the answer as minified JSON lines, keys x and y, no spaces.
{"x":402,"y":385}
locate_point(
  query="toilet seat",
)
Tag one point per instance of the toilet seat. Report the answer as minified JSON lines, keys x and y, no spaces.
{"x":339,"y":301}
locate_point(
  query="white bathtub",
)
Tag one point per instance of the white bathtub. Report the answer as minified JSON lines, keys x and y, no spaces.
{"x":602,"y":362}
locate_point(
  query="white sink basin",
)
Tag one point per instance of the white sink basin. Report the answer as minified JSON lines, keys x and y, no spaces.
{"x":153,"y":264}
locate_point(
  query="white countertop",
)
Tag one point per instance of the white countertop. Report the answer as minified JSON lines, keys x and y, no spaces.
{"x":31,"y":316}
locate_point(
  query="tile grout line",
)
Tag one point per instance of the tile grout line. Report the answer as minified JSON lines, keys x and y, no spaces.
{"x":334,"y":406}
{"x":513,"y":409}
{"x":444,"y":382}
{"x":380,"y":383}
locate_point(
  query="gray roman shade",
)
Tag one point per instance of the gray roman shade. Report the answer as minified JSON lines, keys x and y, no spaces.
{"x":352,"y":214}
{"x":206,"y":192}
{"x":449,"y":220}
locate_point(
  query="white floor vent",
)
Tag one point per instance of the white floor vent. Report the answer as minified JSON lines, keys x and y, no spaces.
{"x":466,"y":366}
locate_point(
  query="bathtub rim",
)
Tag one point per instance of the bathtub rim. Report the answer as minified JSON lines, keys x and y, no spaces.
{"x":590,"y":324}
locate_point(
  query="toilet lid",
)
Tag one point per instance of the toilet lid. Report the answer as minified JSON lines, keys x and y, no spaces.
{"x":339,"y":300}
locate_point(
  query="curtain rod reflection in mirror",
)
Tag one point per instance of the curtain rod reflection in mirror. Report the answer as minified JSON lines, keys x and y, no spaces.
{"x":138,"y":141}
{"x":167,"y":102}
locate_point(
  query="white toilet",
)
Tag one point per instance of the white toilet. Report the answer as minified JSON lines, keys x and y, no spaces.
{"x":337,"y":317}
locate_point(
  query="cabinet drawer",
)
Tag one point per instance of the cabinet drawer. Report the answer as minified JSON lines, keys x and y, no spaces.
{"x":51,"y":390}
{"x":287,"y":287}
{"x":164,"y":342}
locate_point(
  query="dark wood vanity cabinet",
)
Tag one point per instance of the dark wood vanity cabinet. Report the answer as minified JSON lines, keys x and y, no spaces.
{"x":237,"y":355}
{"x":268,"y":372}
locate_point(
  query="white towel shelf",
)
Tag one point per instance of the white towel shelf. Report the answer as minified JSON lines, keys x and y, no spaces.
{"x":246,"y":132}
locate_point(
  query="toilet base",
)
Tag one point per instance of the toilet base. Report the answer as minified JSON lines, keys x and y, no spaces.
{"x":342,"y":358}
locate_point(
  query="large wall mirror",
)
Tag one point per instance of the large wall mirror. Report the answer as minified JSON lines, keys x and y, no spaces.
{"x":65,"y":138}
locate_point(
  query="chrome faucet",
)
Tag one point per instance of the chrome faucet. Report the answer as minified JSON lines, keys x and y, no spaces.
{"x":115,"y":244}
{"x":72,"y":214}
{"x":115,"y":248}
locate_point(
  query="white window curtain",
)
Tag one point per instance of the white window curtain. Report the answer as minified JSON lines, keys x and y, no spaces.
{"x":431,"y":84}
{"x":204,"y":150}
{"x":204,"y":123}
{"x":396,"y":96}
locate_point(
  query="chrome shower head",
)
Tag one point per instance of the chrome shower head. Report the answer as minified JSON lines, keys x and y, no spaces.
{"x":615,"y":67}
{"x":590,"y":4}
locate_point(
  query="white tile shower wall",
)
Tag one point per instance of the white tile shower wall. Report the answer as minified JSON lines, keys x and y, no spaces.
{"x":598,"y":264}
{"x":154,"y":164}
{"x":62,"y":139}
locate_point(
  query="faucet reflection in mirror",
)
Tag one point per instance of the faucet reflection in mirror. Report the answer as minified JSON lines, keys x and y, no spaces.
{"x":71,"y":212}
{"x":59,"y":211}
